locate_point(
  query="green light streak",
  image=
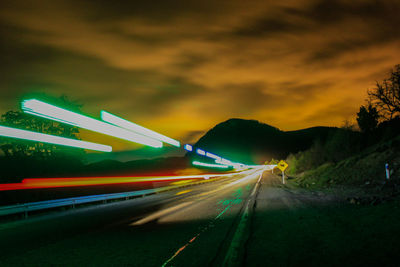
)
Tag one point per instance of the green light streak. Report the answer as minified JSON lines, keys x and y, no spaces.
{"x":110,"y":118}
{"x":198,"y":163}
{"x":51,"y":139}
{"x":48,"y":111}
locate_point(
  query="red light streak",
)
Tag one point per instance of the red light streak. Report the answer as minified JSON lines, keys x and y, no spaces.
{"x":39,"y":183}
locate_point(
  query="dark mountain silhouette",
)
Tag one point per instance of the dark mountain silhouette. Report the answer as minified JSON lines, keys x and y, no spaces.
{"x":249,"y":141}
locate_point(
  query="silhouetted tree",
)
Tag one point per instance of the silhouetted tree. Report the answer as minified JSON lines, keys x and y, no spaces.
{"x":20,"y":148}
{"x":386,"y":95}
{"x":367,"y":118}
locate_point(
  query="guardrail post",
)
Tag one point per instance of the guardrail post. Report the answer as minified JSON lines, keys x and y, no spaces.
{"x":387,"y":171}
{"x":25,"y":212}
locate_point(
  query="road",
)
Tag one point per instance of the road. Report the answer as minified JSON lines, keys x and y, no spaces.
{"x":249,"y":219}
{"x":194,"y":226}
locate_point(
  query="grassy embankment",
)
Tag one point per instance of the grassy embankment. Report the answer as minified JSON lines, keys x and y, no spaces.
{"x":339,"y":234}
{"x":364,"y":170}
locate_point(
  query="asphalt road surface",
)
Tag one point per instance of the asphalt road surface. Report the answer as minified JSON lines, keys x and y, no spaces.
{"x":249,"y":219}
{"x":200,"y":225}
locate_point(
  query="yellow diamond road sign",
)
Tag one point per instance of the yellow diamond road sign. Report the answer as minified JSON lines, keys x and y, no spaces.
{"x":282,"y":165}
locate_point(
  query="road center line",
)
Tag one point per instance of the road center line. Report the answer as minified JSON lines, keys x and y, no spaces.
{"x":216,"y":218}
{"x":233,"y":251}
{"x":160,"y":213}
{"x":183,"y":192}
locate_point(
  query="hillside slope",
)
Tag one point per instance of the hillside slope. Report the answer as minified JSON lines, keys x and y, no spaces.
{"x":366,"y":168}
{"x":250,"y":141}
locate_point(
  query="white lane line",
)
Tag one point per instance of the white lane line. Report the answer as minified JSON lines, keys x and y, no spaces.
{"x":196,"y":236}
{"x":163,"y":212}
{"x":237,"y":240}
{"x":218,"y":216}
{"x":160,"y":213}
{"x":256,"y":187}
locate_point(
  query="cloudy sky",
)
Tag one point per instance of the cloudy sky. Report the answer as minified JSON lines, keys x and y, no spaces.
{"x":180,"y":67}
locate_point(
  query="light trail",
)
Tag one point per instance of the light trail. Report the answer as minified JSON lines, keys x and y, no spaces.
{"x":213,"y":156}
{"x":230,"y":163}
{"x":48,"y":111}
{"x":128,"y":125}
{"x":40,"y":183}
{"x":198,"y":163}
{"x":217,"y":158}
{"x":51,"y":139}
{"x":160,"y":213}
{"x":200,"y":152}
{"x":223,"y":161}
{"x":188,"y":147}
{"x":206,"y":228}
{"x":183,"y":192}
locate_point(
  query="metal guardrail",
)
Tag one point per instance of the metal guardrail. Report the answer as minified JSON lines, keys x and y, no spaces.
{"x":48,"y":204}
{"x":41,"y":205}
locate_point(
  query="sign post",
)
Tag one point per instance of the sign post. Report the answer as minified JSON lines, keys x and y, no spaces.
{"x":387,"y":171}
{"x":282,"y":165}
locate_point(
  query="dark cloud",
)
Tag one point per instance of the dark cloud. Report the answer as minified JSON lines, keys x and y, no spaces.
{"x":268,"y":26}
{"x":330,"y":12}
{"x":34,"y":68}
{"x":159,"y":11}
{"x":245,"y":98}
{"x":363,"y":24}
{"x":191,"y":60}
{"x":336,"y":48}
{"x":300,"y":93}
{"x":338,"y":111}
{"x":183,"y":66}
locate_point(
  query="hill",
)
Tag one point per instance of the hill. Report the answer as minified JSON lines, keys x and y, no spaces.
{"x":364,"y":166}
{"x":250,"y":141}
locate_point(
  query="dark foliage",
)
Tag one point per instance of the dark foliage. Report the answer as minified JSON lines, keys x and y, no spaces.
{"x":367,"y":118}
{"x":344,"y":143}
{"x":23,"y":158}
{"x":386,"y":95}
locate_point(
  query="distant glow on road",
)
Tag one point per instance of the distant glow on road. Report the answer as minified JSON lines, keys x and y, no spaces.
{"x":110,"y":118}
{"x":48,"y":111}
{"x":51,"y":139}
{"x":258,"y":166}
{"x":200,"y":152}
{"x":210,"y":155}
{"x":188,"y":147}
{"x":198,"y":163}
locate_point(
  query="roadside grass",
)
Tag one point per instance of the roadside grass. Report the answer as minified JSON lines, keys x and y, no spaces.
{"x":338,"y":234}
{"x":366,"y":169}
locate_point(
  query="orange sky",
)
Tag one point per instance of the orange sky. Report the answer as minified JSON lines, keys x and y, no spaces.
{"x":180,"y":67}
